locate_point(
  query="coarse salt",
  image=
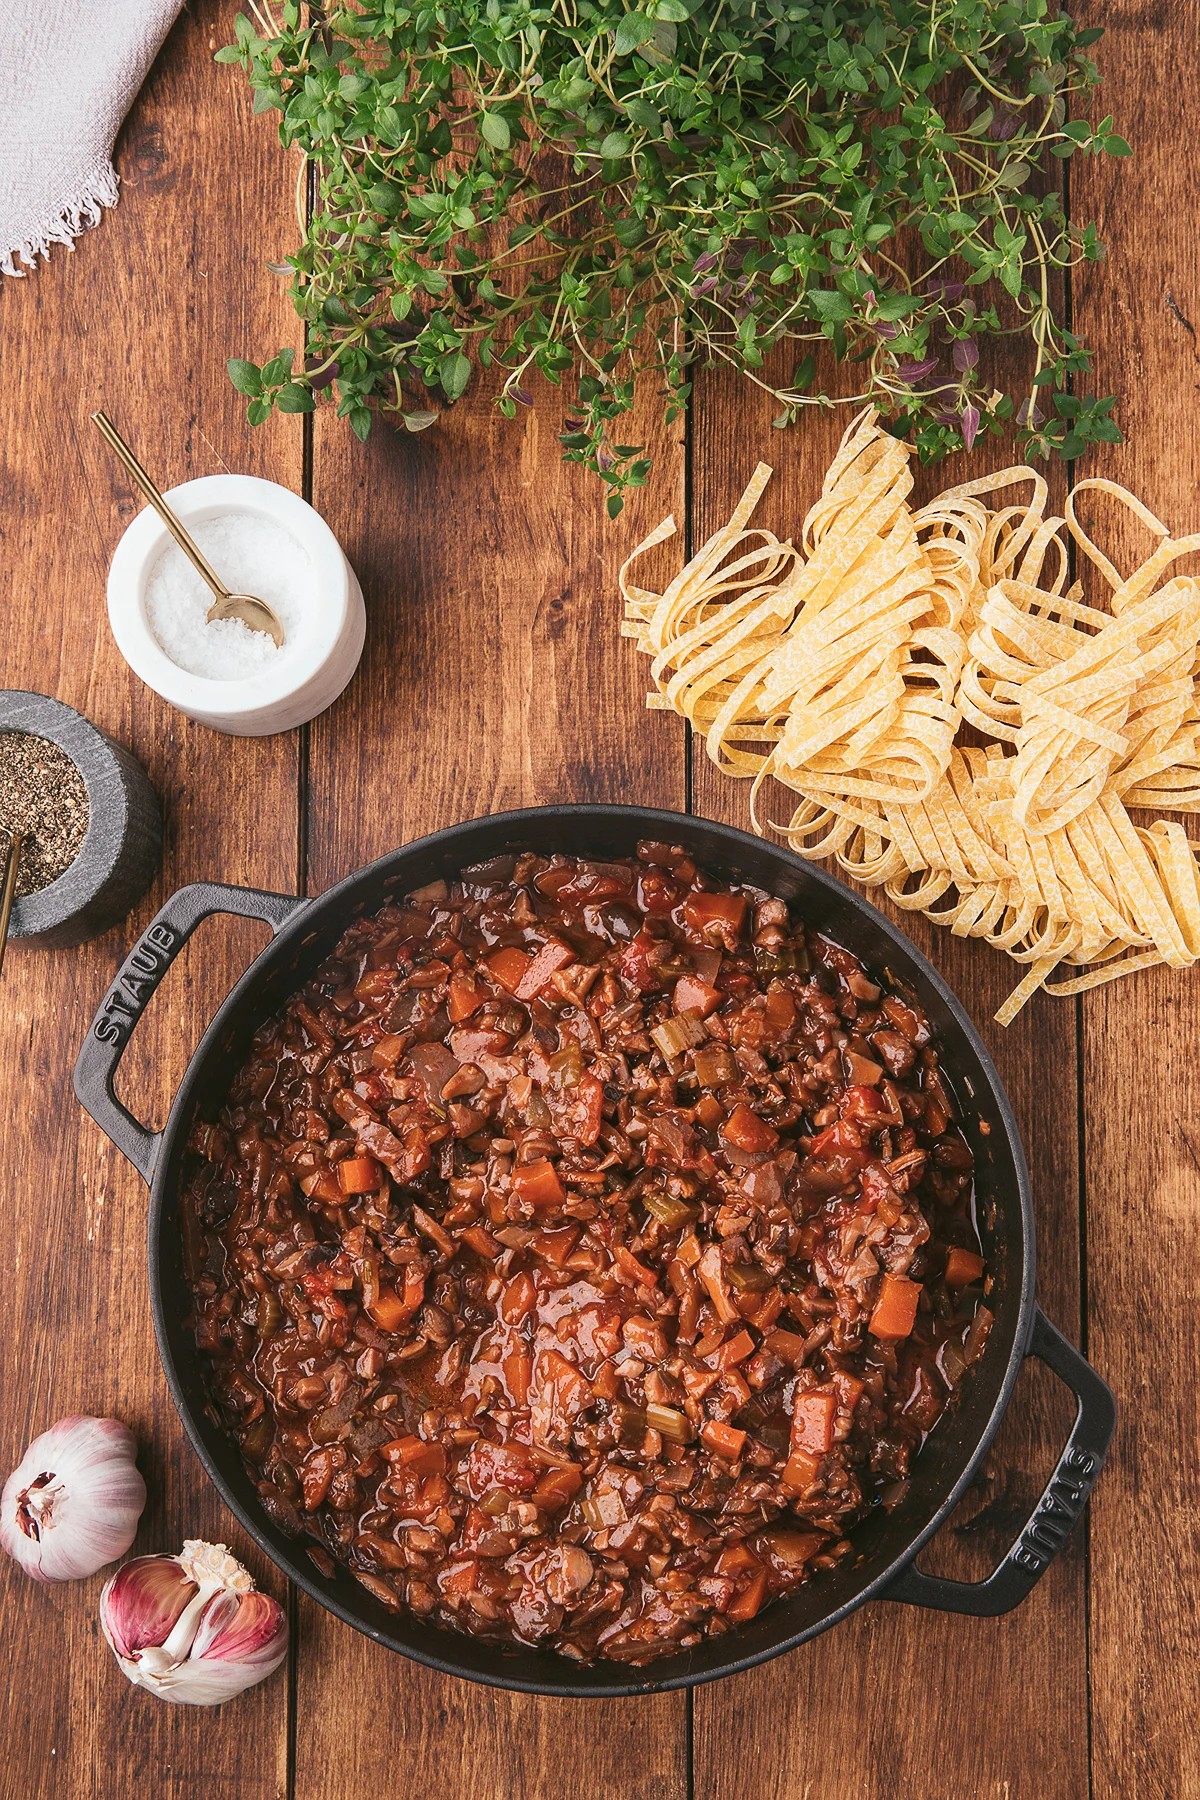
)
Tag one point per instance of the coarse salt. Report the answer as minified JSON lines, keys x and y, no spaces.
{"x":252,"y":555}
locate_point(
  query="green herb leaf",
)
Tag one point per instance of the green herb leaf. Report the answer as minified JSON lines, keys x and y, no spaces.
{"x":293,"y":397}
{"x":245,"y":376}
{"x":454,"y":372}
{"x":633,"y":31}
{"x":493,"y":129}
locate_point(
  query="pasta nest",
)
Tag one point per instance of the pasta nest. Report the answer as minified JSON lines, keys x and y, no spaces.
{"x":958,"y":725}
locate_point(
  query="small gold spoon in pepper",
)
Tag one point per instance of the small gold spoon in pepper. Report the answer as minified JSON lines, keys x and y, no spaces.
{"x":247,"y":607}
{"x":8,"y":889}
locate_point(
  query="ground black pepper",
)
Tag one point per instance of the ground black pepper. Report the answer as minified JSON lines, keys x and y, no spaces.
{"x":42,"y":794}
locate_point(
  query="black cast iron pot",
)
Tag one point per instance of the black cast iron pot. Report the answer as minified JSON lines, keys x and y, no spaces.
{"x":887,"y":1543}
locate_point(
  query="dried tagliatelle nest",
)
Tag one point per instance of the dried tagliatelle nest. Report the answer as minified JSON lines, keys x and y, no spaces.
{"x":848,"y":665}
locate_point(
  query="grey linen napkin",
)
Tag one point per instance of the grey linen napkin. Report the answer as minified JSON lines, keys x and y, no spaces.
{"x":69,"y":70}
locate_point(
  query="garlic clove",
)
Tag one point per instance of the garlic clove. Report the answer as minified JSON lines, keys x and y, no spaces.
{"x":142,"y":1603}
{"x":192,"y":1629}
{"x":73,"y":1502}
{"x":247,"y":1631}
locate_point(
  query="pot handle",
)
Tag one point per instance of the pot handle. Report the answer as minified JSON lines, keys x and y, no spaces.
{"x":127,"y":998}
{"x":1062,"y":1499}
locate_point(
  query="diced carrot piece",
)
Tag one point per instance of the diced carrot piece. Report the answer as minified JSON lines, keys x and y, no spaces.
{"x":606,"y":1383}
{"x":895,"y":1311}
{"x":415,"y":1455}
{"x":746,"y":1131}
{"x":687,"y":1251}
{"x":359,"y":1175}
{"x":464,"y":998}
{"x":557,"y":1487}
{"x":722,"y":1439}
{"x":709,"y":1111}
{"x":389,"y":1311}
{"x":552,"y":956}
{"x":517,"y":1365}
{"x":509,"y":966}
{"x":481,"y":1241}
{"x":750,"y":1600}
{"x":812,"y":1421}
{"x":518,"y":1298}
{"x":963,"y":1267}
{"x":736,"y":1559}
{"x":537,"y":1183}
{"x":637,"y":1271}
{"x":395,"y":1450}
{"x":799,"y":1471}
{"x":701,"y":910}
{"x":788,"y":1346}
{"x":694,"y":995}
{"x":734,"y":1350}
{"x":764,"y":1315}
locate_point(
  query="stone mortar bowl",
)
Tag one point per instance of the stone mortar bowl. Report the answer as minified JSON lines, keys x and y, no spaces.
{"x":120,"y":850}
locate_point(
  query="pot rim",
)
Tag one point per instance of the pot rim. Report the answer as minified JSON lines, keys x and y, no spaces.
{"x":625,"y":1681}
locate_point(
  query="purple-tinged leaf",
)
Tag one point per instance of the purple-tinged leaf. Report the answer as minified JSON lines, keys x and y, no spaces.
{"x":946,"y":291}
{"x":965,"y":354}
{"x":916,"y":371}
{"x":970,"y":426}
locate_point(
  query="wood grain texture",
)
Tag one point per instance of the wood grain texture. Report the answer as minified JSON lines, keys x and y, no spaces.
{"x":1141,"y":1078}
{"x":846,"y":1735}
{"x":493,"y":677}
{"x":139,"y":319}
{"x":490,"y":680}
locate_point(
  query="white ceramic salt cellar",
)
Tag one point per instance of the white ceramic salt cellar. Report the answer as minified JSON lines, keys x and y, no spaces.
{"x":317,"y":661}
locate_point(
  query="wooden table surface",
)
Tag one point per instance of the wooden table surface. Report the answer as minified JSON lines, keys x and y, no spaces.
{"x":494,"y":676}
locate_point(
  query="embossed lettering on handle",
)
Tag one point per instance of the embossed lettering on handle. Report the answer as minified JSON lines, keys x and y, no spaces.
{"x":1057,"y":1511}
{"x":1059,"y":1505}
{"x":143,"y":969}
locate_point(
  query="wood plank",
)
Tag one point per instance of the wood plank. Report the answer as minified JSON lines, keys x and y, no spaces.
{"x":846,"y":1732}
{"x":493,"y":677}
{"x":139,"y":319}
{"x":1141,"y":308}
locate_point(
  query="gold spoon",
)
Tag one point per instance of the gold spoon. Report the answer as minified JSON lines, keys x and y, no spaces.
{"x":247,"y":607}
{"x":8,"y":891}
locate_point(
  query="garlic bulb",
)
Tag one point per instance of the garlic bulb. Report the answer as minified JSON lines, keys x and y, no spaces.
{"x":192,"y":1628}
{"x":73,"y":1501}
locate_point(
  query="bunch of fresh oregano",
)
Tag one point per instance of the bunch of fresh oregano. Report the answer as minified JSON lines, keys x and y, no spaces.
{"x":608,"y":195}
